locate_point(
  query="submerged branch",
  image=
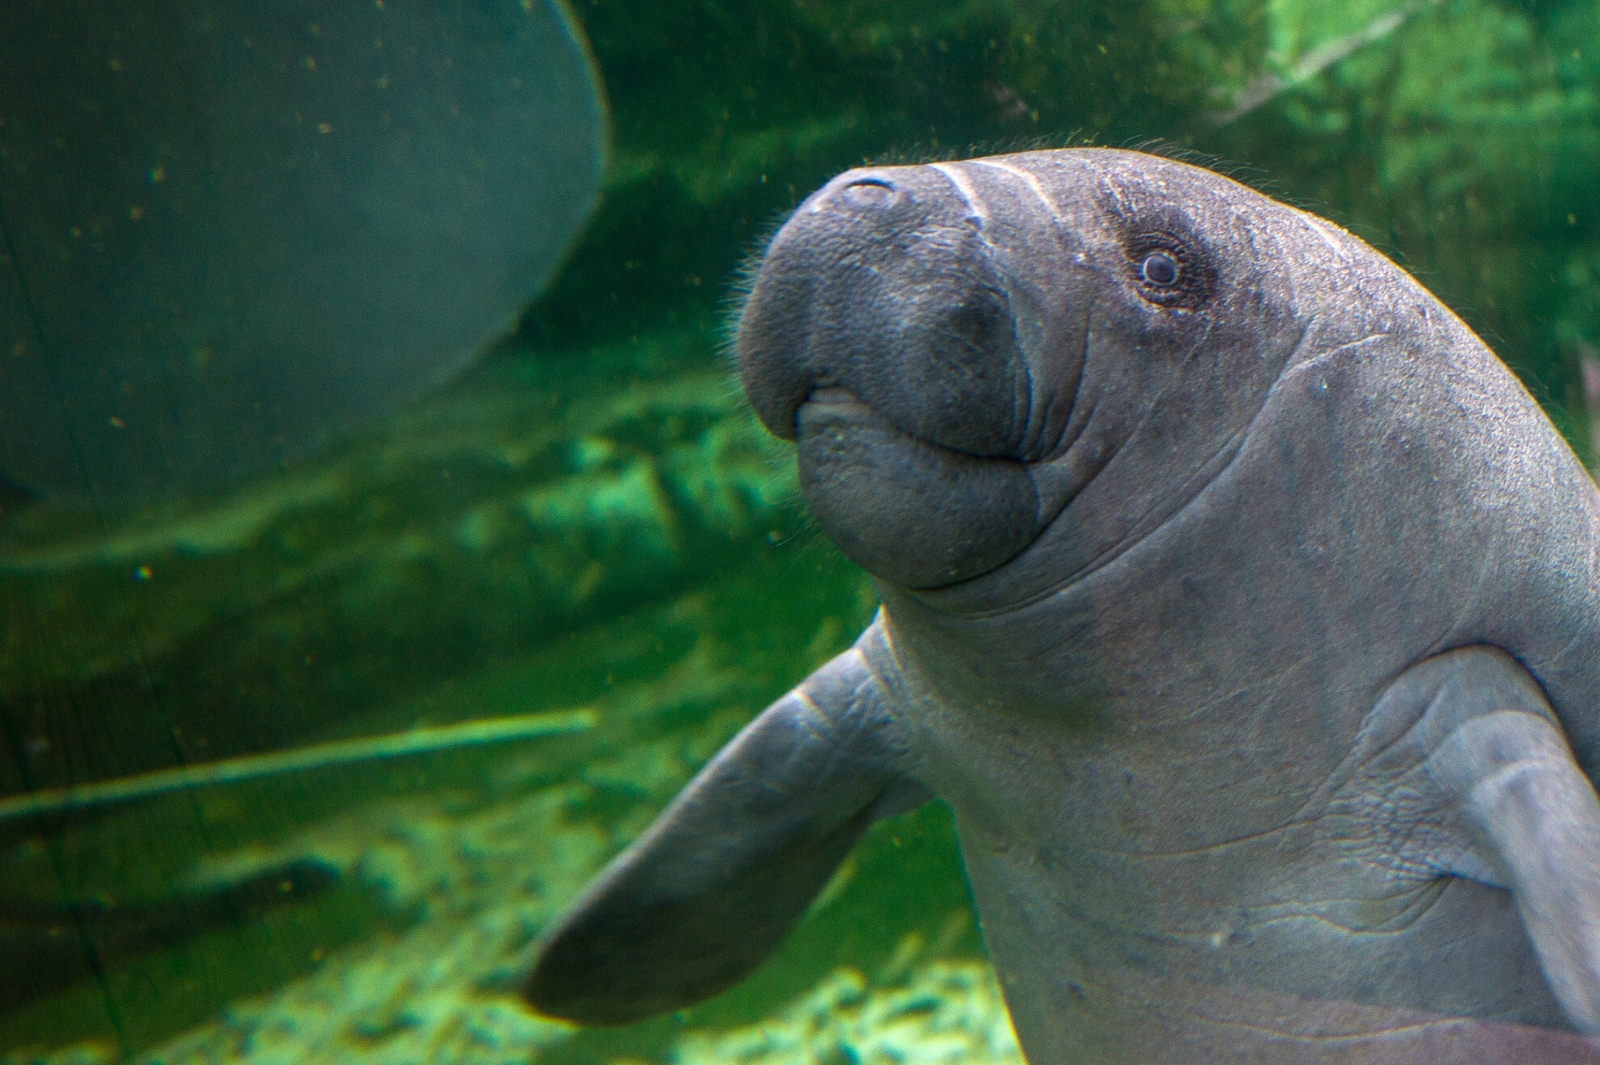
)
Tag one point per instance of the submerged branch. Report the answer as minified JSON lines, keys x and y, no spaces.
{"x":1268,"y":85}
{"x":318,"y":756}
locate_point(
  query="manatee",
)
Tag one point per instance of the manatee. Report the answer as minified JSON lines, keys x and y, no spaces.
{"x":236,"y":232}
{"x":1237,"y":599}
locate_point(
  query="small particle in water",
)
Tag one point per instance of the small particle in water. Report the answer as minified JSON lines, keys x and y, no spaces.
{"x":116,"y":422}
{"x":158,"y":174}
{"x":142,"y":573}
{"x":135,"y":212}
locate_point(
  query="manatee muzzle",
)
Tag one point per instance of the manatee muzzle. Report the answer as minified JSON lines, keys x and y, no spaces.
{"x":909,"y":512}
{"x":882,"y":283}
{"x":879,"y":336}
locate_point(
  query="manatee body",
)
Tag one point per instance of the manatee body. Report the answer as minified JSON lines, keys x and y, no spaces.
{"x":1238,"y":600}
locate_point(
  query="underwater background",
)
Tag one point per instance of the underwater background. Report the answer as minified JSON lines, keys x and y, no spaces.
{"x":588,"y":532}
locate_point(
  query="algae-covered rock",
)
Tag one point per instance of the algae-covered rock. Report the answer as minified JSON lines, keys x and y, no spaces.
{"x":946,"y":1013}
{"x":535,"y":498}
{"x":461,"y":859}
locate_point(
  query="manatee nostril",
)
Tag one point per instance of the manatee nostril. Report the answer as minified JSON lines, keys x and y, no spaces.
{"x":868,"y":192}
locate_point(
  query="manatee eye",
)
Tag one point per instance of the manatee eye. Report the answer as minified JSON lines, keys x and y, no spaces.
{"x":1159,"y":269}
{"x":1169,"y":269}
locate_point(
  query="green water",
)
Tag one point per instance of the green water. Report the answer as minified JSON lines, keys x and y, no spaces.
{"x":592,"y":519}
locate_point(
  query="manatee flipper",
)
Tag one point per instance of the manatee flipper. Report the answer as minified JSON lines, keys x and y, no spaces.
{"x":712,"y":887}
{"x":1499,"y":760}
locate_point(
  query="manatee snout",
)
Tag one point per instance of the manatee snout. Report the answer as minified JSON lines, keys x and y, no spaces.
{"x":879,"y":335}
{"x":880,"y":283}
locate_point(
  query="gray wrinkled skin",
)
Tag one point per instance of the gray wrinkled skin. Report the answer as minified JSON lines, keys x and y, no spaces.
{"x":1245,"y":617}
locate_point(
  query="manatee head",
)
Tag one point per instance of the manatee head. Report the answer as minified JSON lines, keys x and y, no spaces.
{"x":1010,"y":366}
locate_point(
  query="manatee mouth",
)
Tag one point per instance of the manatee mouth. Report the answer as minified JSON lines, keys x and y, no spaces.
{"x":910,"y":512}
